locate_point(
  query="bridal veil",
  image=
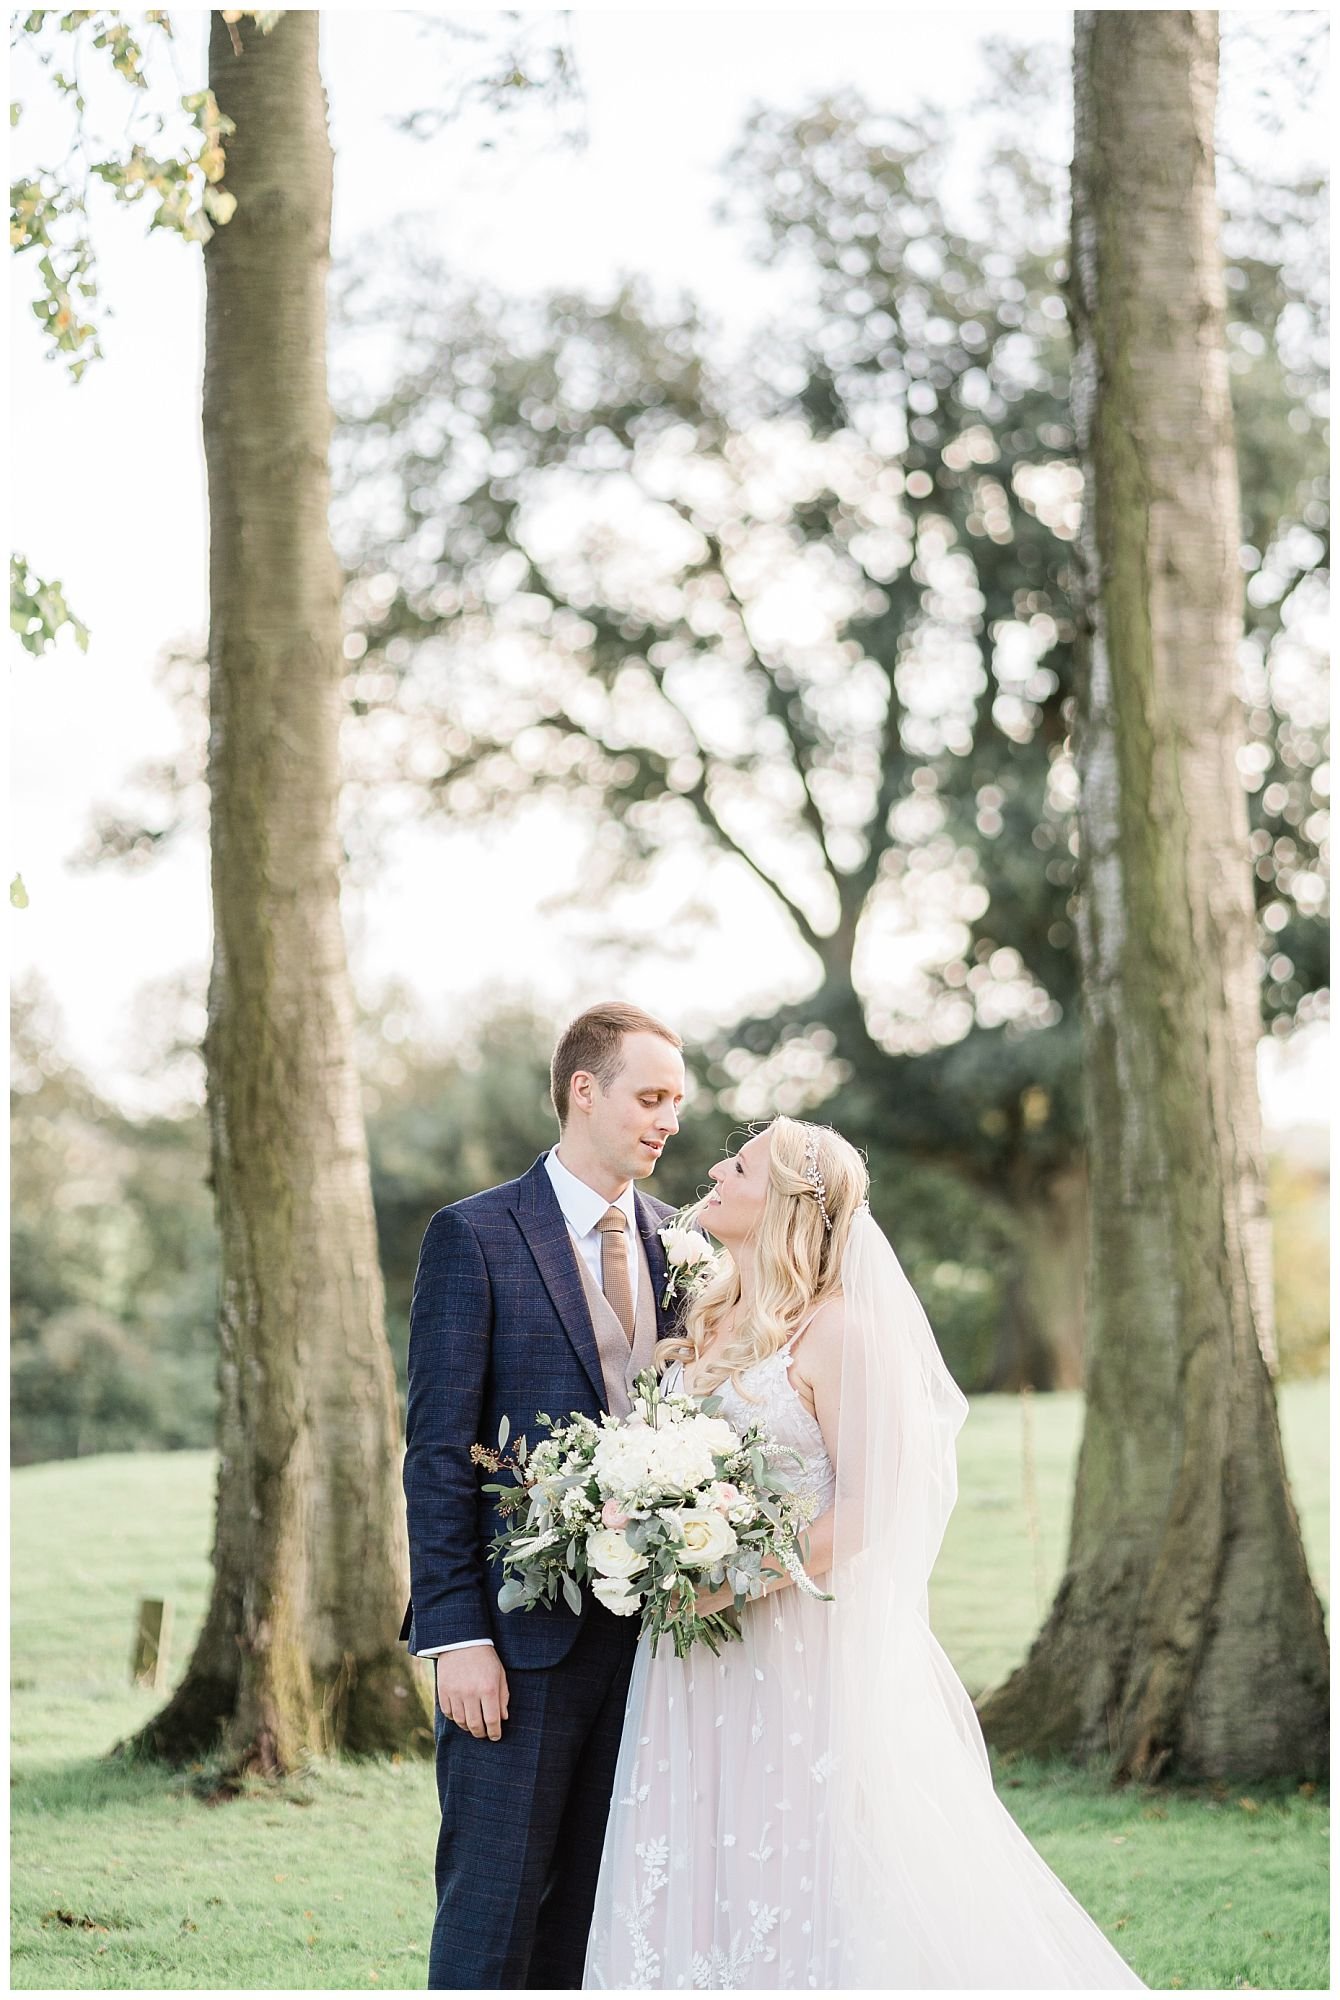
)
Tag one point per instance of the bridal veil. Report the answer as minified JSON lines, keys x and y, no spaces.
{"x":937,"y":1885}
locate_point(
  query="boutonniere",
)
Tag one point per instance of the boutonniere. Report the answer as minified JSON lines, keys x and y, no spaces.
{"x":687,"y":1255}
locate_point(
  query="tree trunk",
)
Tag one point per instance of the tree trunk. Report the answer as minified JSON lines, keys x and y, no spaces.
{"x":1186,"y":1636}
{"x":299,"y":1650}
{"x":1040,"y":1341}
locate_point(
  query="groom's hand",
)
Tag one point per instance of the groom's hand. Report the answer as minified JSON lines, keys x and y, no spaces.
{"x":472,"y":1690}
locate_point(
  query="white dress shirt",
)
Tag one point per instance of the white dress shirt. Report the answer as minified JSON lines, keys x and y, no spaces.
{"x":582,"y":1211}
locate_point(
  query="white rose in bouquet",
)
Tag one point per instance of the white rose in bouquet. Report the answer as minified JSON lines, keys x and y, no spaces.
{"x":616,"y":1596}
{"x":704,"y":1534}
{"x":610,"y":1551}
{"x":715,"y":1434}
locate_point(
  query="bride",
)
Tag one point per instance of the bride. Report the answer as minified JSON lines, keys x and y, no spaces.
{"x":814,"y":1808}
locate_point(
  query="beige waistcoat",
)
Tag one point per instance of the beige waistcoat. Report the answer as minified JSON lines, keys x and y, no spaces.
{"x":620,"y":1363}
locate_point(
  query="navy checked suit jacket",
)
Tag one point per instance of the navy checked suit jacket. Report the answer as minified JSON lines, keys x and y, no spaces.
{"x":499,"y":1326}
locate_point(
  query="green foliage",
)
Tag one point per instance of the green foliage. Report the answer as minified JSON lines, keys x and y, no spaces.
{"x":443,"y":1125}
{"x":49,"y":211}
{"x":38,"y":611}
{"x":50,"y":220}
{"x":113,"y":1265}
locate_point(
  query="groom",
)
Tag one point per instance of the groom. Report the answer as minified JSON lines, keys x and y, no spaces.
{"x":542,"y":1294}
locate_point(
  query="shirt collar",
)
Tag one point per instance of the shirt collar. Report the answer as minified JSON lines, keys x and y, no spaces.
{"x":582,"y":1207}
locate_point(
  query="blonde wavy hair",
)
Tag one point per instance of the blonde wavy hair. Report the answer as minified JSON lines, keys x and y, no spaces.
{"x":797,"y":1257}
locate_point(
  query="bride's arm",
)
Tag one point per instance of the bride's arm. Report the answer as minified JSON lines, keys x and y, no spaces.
{"x":818,"y":1368}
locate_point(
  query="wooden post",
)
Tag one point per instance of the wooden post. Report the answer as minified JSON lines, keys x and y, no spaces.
{"x":153,"y":1634}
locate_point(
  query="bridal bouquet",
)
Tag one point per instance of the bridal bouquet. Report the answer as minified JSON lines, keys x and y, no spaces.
{"x":647,"y":1510}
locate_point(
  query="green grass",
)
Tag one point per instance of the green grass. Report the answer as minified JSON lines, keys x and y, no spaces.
{"x":123,"y":1877}
{"x":986,"y":1599}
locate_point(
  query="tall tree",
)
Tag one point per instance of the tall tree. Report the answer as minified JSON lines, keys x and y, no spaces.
{"x":299,"y":1646}
{"x":1186,"y":1635}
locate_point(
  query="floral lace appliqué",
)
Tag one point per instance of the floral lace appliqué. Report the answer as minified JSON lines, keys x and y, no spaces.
{"x":645,"y":1970}
{"x":719,"y":1971}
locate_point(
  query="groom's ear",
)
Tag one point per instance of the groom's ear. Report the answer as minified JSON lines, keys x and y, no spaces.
{"x":581,"y":1090}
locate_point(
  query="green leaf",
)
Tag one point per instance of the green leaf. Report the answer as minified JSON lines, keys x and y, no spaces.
{"x":571,"y":1592}
{"x":504,"y":1431}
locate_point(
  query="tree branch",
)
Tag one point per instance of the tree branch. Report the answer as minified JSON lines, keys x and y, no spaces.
{"x":697,"y":797}
{"x":777,"y":700}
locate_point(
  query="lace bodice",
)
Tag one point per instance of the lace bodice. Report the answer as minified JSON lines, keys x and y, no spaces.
{"x":773,"y":1402}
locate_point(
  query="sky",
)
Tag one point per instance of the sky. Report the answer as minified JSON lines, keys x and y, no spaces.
{"x":110,"y":497}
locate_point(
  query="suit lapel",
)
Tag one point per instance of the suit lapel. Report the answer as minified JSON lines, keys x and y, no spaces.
{"x":541,"y":1222}
{"x":648,"y":1223}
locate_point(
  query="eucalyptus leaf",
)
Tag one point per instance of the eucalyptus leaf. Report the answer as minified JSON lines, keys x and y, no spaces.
{"x":572,"y":1594}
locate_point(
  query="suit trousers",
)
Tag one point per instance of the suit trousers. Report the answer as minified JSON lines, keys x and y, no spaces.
{"x":523,"y":1819}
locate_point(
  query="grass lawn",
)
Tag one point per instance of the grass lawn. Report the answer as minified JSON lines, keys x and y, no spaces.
{"x":125,"y":1878}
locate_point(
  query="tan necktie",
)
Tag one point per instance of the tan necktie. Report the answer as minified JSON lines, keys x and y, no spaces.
{"x":614,"y":1279}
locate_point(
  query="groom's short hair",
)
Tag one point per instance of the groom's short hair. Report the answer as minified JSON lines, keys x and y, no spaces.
{"x":593,"y":1041}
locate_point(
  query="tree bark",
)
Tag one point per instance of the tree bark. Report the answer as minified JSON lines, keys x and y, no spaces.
{"x":1186,"y":1637}
{"x":299,"y":1650}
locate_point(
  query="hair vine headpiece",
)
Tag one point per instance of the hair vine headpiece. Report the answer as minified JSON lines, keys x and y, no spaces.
{"x":816,"y":1179}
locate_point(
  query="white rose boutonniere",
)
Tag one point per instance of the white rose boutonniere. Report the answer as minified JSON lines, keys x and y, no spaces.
{"x":687,"y":1255}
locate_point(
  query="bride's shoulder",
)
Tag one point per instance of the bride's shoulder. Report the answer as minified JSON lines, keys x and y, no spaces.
{"x":822,"y":1335}
{"x":828,"y":1318}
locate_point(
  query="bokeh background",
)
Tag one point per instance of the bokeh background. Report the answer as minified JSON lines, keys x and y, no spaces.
{"x":648,"y":282}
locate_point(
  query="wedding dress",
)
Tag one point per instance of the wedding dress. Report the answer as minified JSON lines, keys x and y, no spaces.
{"x":814,"y":1807}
